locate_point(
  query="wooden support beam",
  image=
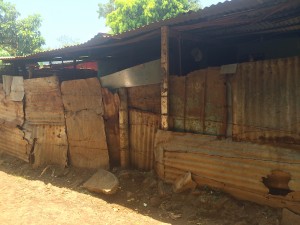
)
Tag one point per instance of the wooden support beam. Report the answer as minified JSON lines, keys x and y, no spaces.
{"x":165,"y":78}
{"x":124,"y":128}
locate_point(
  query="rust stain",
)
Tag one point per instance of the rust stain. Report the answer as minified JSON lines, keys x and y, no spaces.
{"x":143,"y":127}
{"x":241,"y":169}
{"x":146,"y":98}
{"x":266,"y":101}
{"x":198,"y":102}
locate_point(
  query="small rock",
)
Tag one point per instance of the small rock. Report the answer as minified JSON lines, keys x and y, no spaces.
{"x":175,"y":216}
{"x":183,"y":183}
{"x":61,"y":172}
{"x":220,"y":202}
{"x":124,"y":174}
{"x":102,"y":182}
{"x":289,"y":218}
{"x":155,"y":201}
{"x":129,"y":194}
{"x":116,"y":209}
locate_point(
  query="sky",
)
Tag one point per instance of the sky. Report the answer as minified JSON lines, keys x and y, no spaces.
{"x":76,"y":19}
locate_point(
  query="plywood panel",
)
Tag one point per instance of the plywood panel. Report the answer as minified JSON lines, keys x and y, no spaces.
{"x":43,"y":103}
{"x":237,"y":168}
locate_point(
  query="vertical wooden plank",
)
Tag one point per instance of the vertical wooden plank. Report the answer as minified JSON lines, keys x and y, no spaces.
{"x":165,"y":77}
{"x":124,"y":131}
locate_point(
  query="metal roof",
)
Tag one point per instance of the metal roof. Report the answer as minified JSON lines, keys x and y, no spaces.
{"x":236,"y":17}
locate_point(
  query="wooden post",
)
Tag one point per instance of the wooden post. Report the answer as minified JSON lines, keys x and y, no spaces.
{"x":165,"y":78}
{"x":124,"y":129}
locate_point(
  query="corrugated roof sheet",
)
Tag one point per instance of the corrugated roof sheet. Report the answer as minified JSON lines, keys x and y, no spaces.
{"x":215,"y":17}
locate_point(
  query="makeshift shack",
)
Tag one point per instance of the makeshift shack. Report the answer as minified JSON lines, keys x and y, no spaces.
{"x":215,"y":93}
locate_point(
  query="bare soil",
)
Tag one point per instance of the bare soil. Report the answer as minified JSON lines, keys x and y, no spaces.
{"x":53,"y":195}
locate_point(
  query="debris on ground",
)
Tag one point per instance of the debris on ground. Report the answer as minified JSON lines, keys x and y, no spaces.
{"x":102,"y":182}
{"x":289,"y":218}
{"x":184,"y":183}
{"x":143,"y":193}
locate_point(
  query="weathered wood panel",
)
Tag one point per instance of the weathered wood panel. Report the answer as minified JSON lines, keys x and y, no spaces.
{"x":11,"y":112}
{"x":85,"y":124}
{"x":266,"y":101}
{"x":43,"y":103}
{"x":236,"y":168}
{"x":146,"y":98}
{"x":111,"y":103}
{"x":143,"y":127}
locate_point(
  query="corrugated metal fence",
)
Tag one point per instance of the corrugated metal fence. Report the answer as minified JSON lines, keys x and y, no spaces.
{"x":198,"y":102}
{"x":143,"y":127}
{"x":266,"y":101}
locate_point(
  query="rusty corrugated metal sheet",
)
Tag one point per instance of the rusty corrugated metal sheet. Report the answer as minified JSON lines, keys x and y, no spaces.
{"x":207,"y":15}
{"x":198,"y":102}
{"x":13,"y":142}
{"x":142,"y":128}
{"x":236,"y":168}
{"x":50,"y":145}
{"x":146,"y":98}
{"x":266,"y":101}
{"x":177,"y":94}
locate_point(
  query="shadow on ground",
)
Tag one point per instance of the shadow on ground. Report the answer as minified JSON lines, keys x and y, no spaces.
{"x":145,"y":194}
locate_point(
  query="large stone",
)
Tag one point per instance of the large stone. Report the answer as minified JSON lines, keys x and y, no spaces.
{"x":289,"y":218}
{"x":102,"y":182}
{"x":184,"y":183}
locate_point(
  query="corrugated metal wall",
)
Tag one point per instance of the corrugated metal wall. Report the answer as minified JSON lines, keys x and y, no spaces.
{"x":266,"y":101}
{"x":236,"y":168}
{"x":144,"y":120}
{"x":143,"y":127}
{"x":198,"y":102}
{"x":146,"y":98}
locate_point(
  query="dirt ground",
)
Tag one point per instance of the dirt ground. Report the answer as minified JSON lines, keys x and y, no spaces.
{"x":55,"y":195}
